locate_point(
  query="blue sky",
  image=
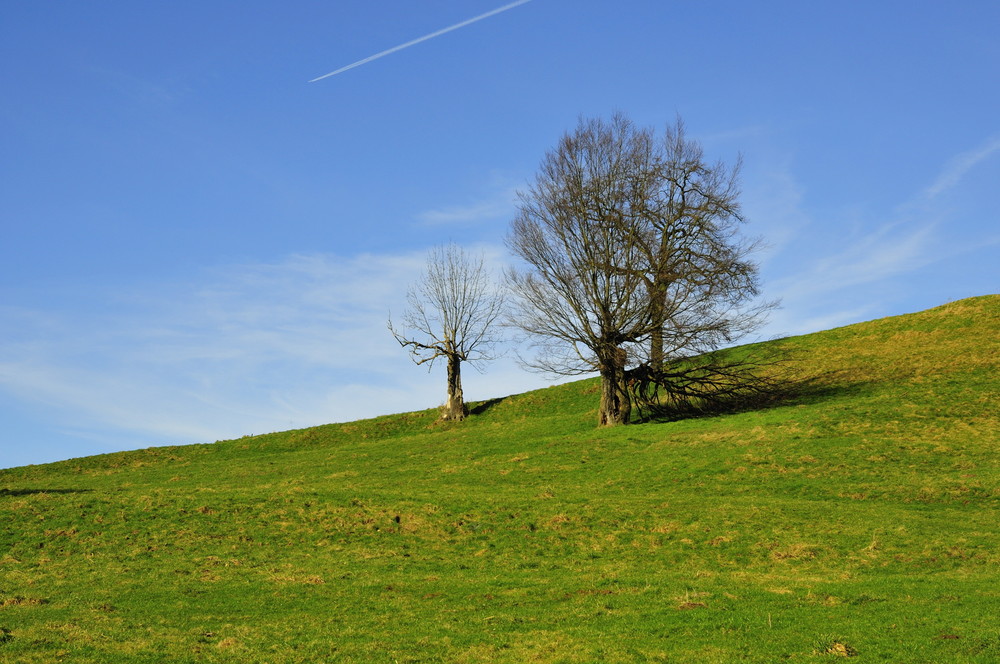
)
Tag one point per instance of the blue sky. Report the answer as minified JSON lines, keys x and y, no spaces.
{"x":199,"y":244}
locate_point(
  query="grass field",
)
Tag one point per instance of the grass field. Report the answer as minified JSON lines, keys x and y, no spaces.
{"x":860,"y":520}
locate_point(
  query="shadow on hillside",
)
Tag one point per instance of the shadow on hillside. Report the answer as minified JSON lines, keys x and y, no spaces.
{"x":484,"y":406}
{"x":29,"y":492}
{"x":797,"y":393}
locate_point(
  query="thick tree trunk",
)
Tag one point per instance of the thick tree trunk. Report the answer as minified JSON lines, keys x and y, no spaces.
{"x":657,"y":307}
{"x":616,"y":404}
{"x":656,"y":348}
{"x":454,"y":408}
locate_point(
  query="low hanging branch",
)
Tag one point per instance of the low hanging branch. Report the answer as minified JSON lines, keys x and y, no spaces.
{"x":451,"y":314}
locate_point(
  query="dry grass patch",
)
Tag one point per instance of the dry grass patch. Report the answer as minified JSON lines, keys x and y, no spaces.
{"x":840,"y":649}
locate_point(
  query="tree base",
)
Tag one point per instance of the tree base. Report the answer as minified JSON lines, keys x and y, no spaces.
{"x":447,"y":416}
{"x":454,"y":412}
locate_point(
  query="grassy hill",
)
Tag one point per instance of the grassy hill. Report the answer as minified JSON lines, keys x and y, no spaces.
{"x":860,"y":520}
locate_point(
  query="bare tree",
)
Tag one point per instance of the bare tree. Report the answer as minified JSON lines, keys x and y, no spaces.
{"x":580,"y":309}
{"x":634,"y":268}
{"x":702,"y":284}
{"x":452,"y":314}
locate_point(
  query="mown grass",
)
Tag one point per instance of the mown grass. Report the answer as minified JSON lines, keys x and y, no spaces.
{"x":857,"y":520}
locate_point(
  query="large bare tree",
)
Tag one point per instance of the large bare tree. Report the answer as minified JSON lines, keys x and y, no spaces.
{"x":634,"y":267}
{"x":452,"y":314}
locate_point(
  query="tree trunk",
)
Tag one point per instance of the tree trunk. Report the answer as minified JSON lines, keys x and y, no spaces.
{"x":656,"y":348}
{"x":616,"y":405}
{"x":657,"y":296}
{"x":454,"y":408}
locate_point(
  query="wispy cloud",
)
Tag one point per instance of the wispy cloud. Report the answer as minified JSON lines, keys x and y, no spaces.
{"x":242,"y":349}
{"x":498,"y":206}
{"x":418,"y":40}
{"x":958,"y":167}
{"x":852,"y":259}
{"x":838,"y":288}
{"x":886,"y":251}
{"x":231,"y":351}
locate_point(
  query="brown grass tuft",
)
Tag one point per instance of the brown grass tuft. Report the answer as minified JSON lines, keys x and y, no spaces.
{"x":841,"y":650}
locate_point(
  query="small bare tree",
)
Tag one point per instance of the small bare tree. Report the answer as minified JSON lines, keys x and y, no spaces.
{"x":452,"y":314}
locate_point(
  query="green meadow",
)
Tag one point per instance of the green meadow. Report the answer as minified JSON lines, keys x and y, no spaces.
{"x":858,"y":519}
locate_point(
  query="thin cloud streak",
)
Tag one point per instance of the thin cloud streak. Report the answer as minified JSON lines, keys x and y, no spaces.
{"x":421,"y":39}
{"x":875,"y":261}
{"x":501,"y":205}
{"x":242,"y":349}
{"x":959,"y":166}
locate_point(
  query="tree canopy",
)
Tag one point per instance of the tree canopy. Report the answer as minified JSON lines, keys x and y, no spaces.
{"x":634,"y":267}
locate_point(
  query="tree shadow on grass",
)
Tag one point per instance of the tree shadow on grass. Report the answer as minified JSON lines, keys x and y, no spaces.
{"x":484,"y":406}
{"x":791,"y":393}
{"x":29,"y":492}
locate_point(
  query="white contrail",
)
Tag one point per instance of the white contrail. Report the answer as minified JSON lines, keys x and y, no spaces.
{"x":421,"y":39}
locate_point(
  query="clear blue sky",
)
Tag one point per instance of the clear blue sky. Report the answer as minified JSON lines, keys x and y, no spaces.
{"x":199,"y":244}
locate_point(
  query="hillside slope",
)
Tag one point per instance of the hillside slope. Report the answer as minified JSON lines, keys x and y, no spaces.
{"x":858,"y":520}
